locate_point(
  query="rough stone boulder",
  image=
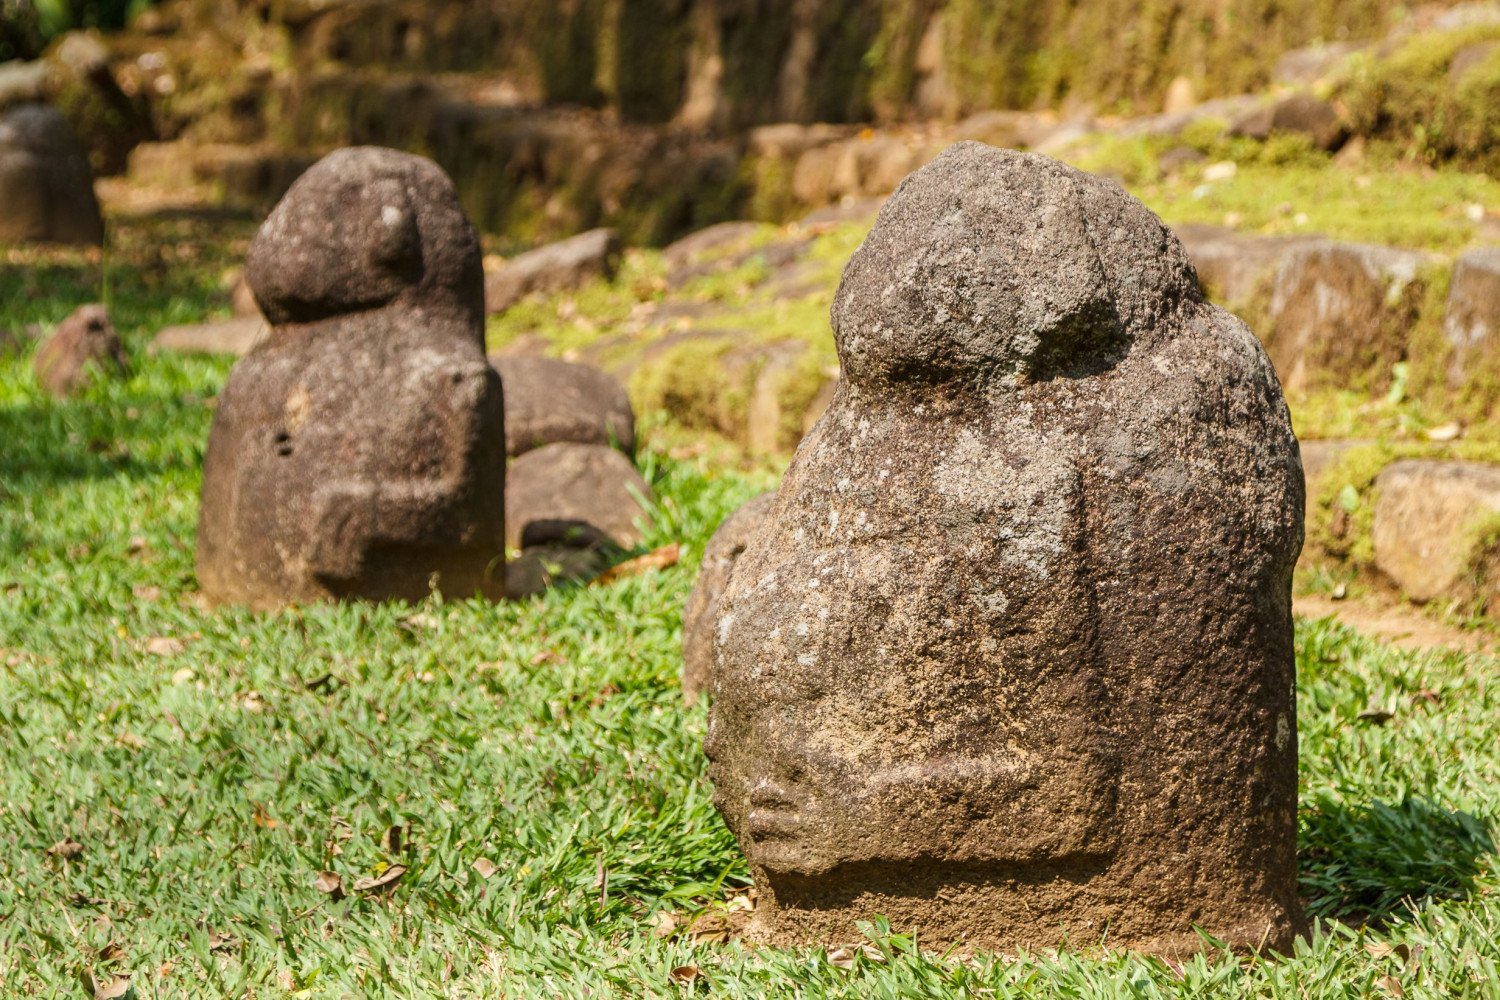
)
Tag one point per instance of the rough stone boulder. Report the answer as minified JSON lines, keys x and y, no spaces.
{"x":549,"y":401}
{"x":46,"y":186}
{"x":1312,"y":63}
{"x":83,"y":346}
{"x":1169,"y":124}
{"x":358,"y":452}
{"x":557,"y":267}
{"x":726,"y":246}
{"x":1009,"y":660}
{"x":701,"y":614}
{"x":1301,"y":114}
{"x":1471,"y":324}
{"x":1340,"y":314}
{"x":236,"y":335}
{"x":862,"y":166}
{"x":1236,"y":268}
{"x":575,"y":495}
{"x":709,"y":242}
{"x":1437,"y":529}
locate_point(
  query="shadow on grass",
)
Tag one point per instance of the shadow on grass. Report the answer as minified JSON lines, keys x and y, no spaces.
{"x":48,"y":444}
{"x":1361,"y":864}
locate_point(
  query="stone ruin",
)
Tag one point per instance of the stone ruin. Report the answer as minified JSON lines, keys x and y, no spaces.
{"x":83,"y":348}
{"x":46,"y":185}
{"x":359,"y":450}
{"x":1009,"y":659}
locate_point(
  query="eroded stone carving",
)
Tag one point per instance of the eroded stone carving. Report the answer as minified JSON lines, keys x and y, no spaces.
{"x":359,"y":450}
{"x":1010,"y":659}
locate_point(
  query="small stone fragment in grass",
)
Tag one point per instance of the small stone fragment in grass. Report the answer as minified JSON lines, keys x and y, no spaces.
{"x":67,"y":848}
{"x":162,"y":645}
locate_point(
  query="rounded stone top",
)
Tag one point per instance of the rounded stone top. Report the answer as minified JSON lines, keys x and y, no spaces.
{"x":364,"y":227}
{"x":990,"y":266}
{"x":38,"y":129}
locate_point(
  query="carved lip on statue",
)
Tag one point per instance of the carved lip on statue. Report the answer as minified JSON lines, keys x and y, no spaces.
{"x":775,"y":813}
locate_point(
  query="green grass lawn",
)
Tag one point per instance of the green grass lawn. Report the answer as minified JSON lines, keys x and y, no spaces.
{"x":174,"y":780}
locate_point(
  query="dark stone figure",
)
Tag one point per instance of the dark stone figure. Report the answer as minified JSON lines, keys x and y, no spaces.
{"x":46,"y":185}
{"x":83,"y":347}
{"x":359,"y":450}
{"x":1010,"y":658}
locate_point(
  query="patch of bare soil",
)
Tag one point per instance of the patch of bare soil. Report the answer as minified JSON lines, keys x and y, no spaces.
{"x":1401,"y":625}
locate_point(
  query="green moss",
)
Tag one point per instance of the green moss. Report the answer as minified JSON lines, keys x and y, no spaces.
{"x":797,"y":388}
{"x":1374,"y":202}
{"x":1428,"y":348}
{"x":651,"y":65}
{"x":892,"y":56}
{"x":1409,"y":97}
{"x":1482,"y":574}
{"x":690,"y":382}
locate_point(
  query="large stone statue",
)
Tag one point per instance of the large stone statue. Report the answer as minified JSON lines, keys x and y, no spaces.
{"x":1010,"y":658}
{"x":46,"y":185}
{"x":359,"y":450}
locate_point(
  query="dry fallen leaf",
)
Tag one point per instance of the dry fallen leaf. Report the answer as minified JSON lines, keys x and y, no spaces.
{"x":485,"y":867}
{"x":264,"y":819}
{"x":1391,"y":985}
{"x":841,"y":958}
{"x":146,"y":592}
{"x":740,"y":901}
{"x":111,"y":952}
{"x":664,"y":923}
{"x":109,"y":987}
{"x":380,"y":883}
{"x":66,"y":848}
{"x":219,"y":941}
{"x":711,"y":927}
{"x":331,"y":883}
{"x":661,"y":558}
{"x":685,"y":973}
{"x":391,"y":840}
